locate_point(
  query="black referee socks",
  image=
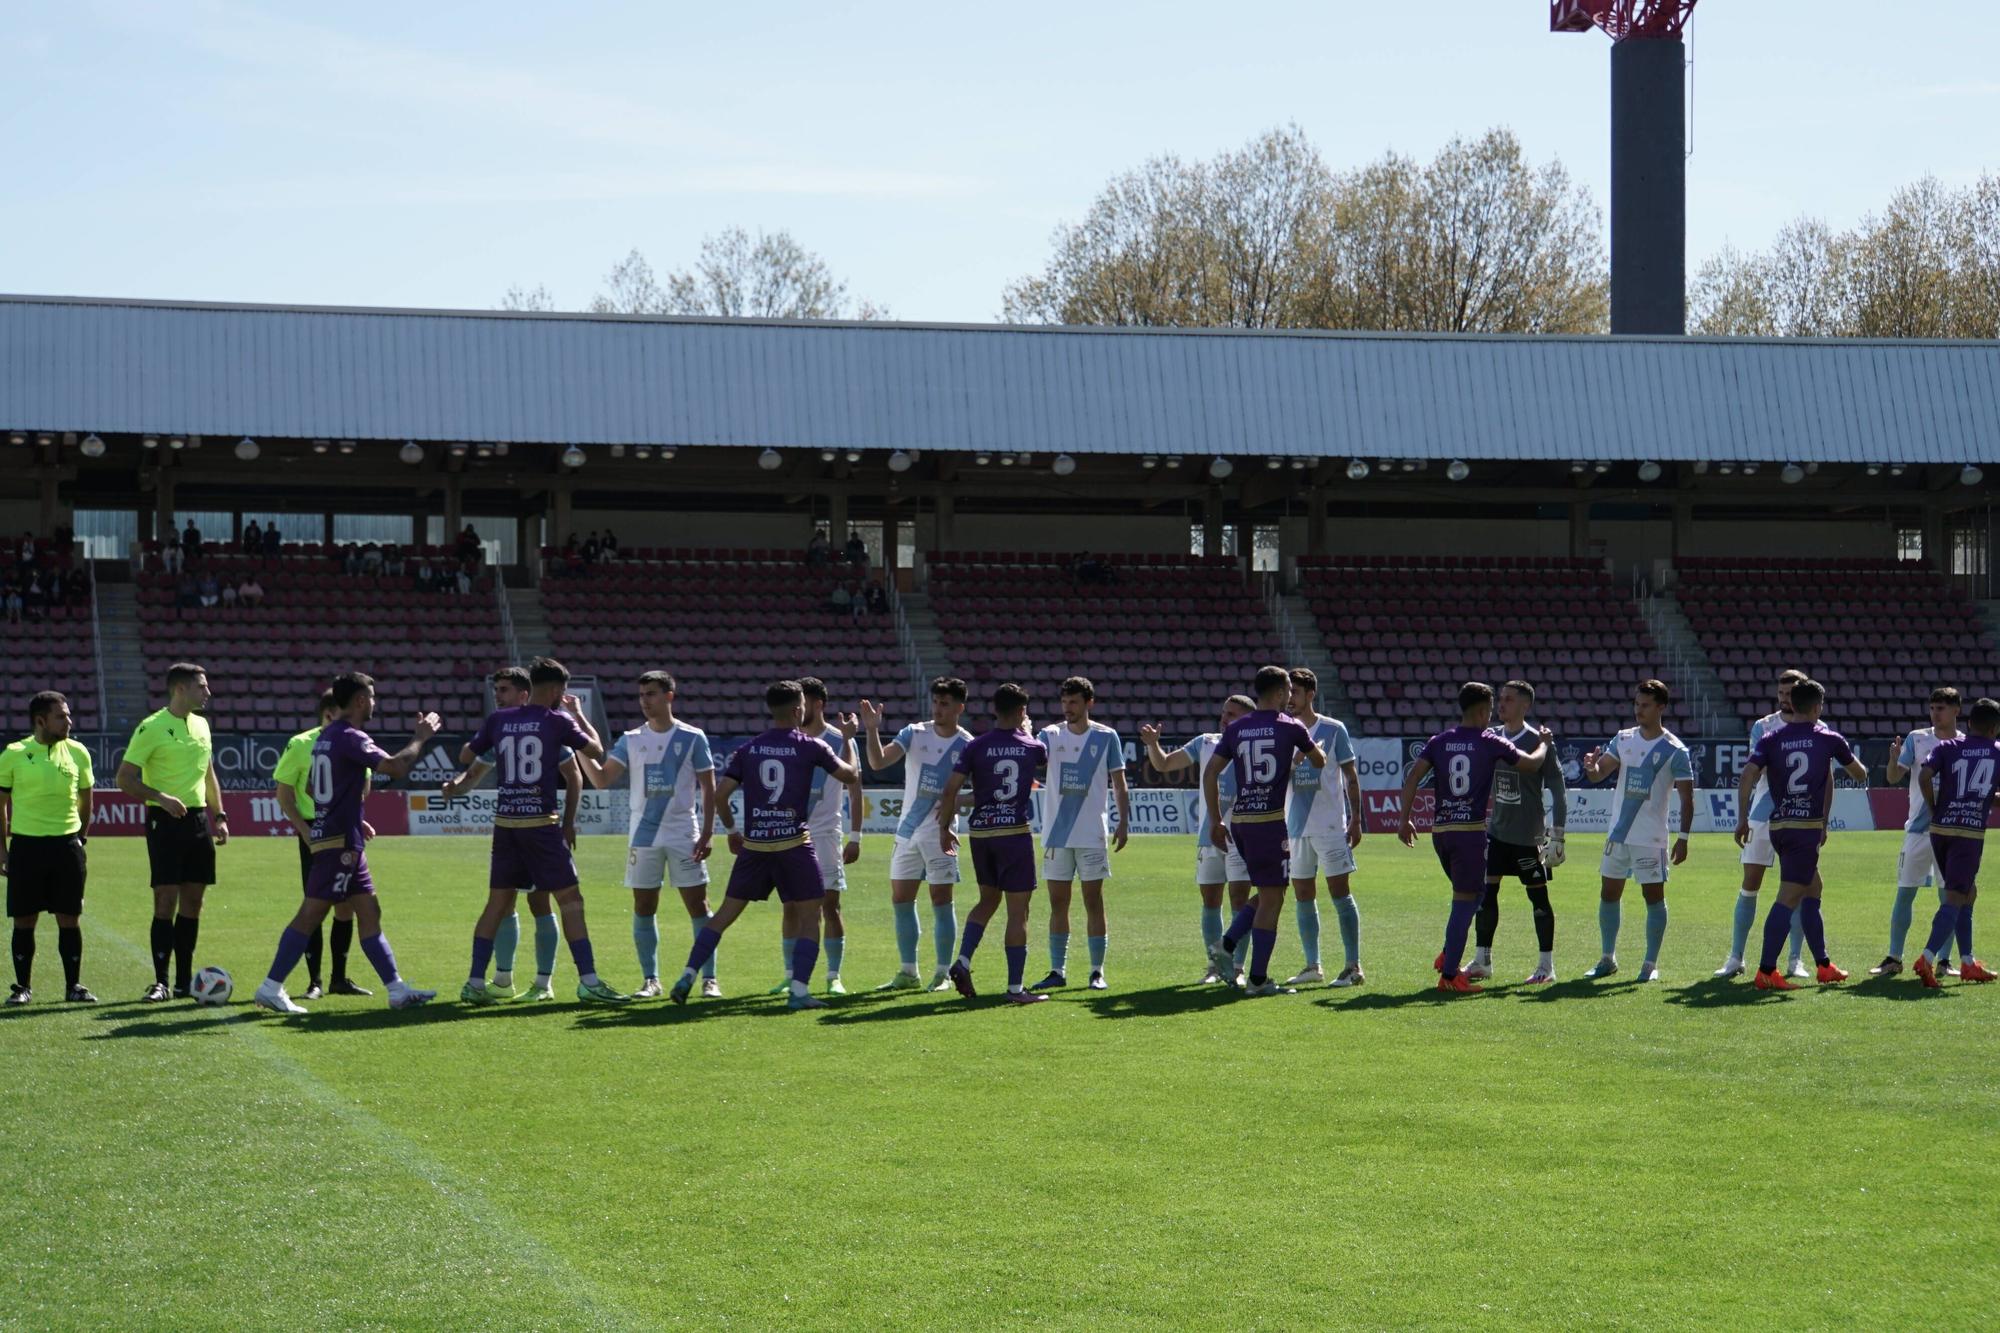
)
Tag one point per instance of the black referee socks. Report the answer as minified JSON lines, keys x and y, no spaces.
{"x":24,"y":955}
{"x":163,"y":948}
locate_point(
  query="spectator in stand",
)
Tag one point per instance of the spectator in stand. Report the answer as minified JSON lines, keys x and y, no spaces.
{"x":253,"y":537}
{"x":591,"y":549}
{"x":857,"y":601}
{"x":350,"y":559}
{"x":33,"y":599}
{"x":609,"y":544}
{"x":10,"y":593}
{"x":228,"y":594}
{"x":469,"y":547}
{"x":572,"y":559}
{"x":186,"y":595}
{"x":55,"y":588}
{"x":79,"y":586}
{"x":170,"y":552}
{"x":465,"y":579}
{"x":426,"y":577}
{"x":210,"y":592}
{"x":251,"y":593}
{"x":878,"y":597}
{"x":819,"y":552}
{"x":135,"y":554}
{"x":26,"y":554}
{"x":273,"y":542}
{"x":392,"y":561}
{"x":191,"y":541}
{"x":840,"y":600}
{"x":857,"y":553}
{"x":371,"y":559}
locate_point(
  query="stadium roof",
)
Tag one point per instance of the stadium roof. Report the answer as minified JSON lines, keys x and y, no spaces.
{"x":312,"y":372}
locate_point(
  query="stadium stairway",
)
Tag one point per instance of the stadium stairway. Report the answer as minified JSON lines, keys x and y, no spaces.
{"x":1706,"y":710}
{"x":531,"y":625}
{"x":929,"y":658}
{"x":127,"y":693}
{"x":1304,"y":646}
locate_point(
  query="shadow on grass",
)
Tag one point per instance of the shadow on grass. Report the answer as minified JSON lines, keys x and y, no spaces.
{"x":1721,"y":993}
{"x":1379,"y":999}
{"x":1896,"y":988}
{"x":1578,"y":988}
{"x":101,"y":1011}
{"x":654,"y":1013}
{"x":1159,"y":1001}
{"x":181,"y":1023}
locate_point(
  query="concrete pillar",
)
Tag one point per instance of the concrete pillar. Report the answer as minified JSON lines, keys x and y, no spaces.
{"x":420,"y":519}
{"x":1936,"y":554}
{"x":46,"y":516}
{"x":1682,"y":535}
{"x":454,"y":515}
{"x":1211,"y":523}
{"x":942,"y":520}
{"x":1315,"y":522}
{"x":890,"y":524}
{"x":326,"y":528}
{"x":1579,"y":527}
{"x":527,"y":540}
{"x":836,"y":521}
{"x":163,"y":505}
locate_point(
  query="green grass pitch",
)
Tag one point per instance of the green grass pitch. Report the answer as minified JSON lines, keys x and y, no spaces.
{"x":1158,"y":1156}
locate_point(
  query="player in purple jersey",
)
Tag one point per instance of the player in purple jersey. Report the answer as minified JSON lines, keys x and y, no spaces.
{"x":527,"y":745}
{"x":1001,"y":766}
{"x":342,"y":758}
{"x":772,"y":845}
{"x":1464,"y":757}
{"x":1957,"y":781}
{"x":1261,"y":747}
{"x":1799,"y":757}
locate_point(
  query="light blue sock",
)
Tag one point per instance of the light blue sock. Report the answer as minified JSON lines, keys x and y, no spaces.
{"x":548,"y":938}
{"x":1059,"y":952}
{"x":1900,"y":916}
{"x":1607,"y":924}
{"x":708,"y":964}
{"x":1308,"y":914}
{"x":836,"y":949}
{"x":1656,"y":929}
{"x":1211,"y":927}
{"x":1739,"y":930}
{"x":1243,"y":952}
{"x":1350,"y":928}
{"x":944,"y":932}
{"x":906,"y":935}
{"x":505,"y":941}
{"x":785,"y":943}
{"x":1097,"y":943}
{"x":646,"y":937}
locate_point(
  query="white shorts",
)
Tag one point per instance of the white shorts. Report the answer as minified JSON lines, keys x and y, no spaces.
{"x":1321,"y":854}
{"x":1916,"y":866}
{"x":827,"y":848}
{"x":920,"y":859}
{"x":1069,"y":863}
{"x":650,"y":867}
{"x":1622,"y":860}
{"x":1757,"y":851}
{"x":1212,"y":865}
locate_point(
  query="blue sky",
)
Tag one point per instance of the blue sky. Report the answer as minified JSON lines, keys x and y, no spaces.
{"x":431,"y":154}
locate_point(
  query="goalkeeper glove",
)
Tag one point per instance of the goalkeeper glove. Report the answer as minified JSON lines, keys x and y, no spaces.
{"x":1556,"y":854}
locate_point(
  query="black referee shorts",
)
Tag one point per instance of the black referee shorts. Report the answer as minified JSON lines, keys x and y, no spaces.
{"x":45,"y":875}
{"x":305,"y":860}
{"x":1504,"y":859}
{"x":180,"y":851}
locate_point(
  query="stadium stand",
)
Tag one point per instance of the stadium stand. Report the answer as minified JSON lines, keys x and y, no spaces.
{"x":268,"y":663}
{"x":1879,"y":634}
{"x":51,"y":648}
{"x":1162,"y":638}
{"x":726,"y":623}
{"x":1405,"y":632}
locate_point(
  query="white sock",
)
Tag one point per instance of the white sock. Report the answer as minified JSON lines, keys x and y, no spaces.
{"x":1013,"y":989}
{"x":689,"y":975}
{"x":504,"y":980}
{"x":1548,"y":960}
{"x":1482,"y":957}
{"x":543,"y":979}
{"x":588,"y":979}
{"x":800,"y":987}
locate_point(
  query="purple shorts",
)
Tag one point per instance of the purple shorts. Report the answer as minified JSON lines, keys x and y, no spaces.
{"x":794,"y":873}
{"x":1005,"y":862}
{"x":1463,"y":856}
{"x":337,"y":874}
{"x":531,"y":858}
{"x":1266,"y":851}
{"x":1798,"y":853}
{"x":1957,"y":862}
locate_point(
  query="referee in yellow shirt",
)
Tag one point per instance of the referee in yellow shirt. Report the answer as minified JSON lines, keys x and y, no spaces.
{"x":167,"y":765}
{"x":45,"y":810}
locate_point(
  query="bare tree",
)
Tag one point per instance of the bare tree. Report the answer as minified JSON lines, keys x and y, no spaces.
{"x":527,"y":298}
{"x":738,"y":273}
{"x":632,"y":290}
{"x":1267,"y":236}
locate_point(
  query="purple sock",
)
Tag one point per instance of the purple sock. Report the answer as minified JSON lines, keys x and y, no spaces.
{"x":482,"y":954}
{"x":805,"y":952}
{"x":1017,"y":965}
{"x":585,"y":960}
{"x":291,"y":948}
{"x":1777,"y":925}
{"x":1262,"y":944}
{"x":1965,"y":932}
{"x":1240,"y":924}
{"x":1456,"y":926}
{"x":376,"y":947}
{"x":1815,"y":928}
{"x":705,"y":941}
{"x":968,"y":939}
{"x":1948,"y":915}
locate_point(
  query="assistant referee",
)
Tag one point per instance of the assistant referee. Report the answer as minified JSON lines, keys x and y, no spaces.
{"x":45,"y":810}
{"x":167,"y":765}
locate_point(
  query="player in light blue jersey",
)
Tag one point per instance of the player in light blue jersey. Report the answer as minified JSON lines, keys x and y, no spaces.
{"x":673,"y":772}
{"x":1654,"y":764}
{"x":1916,"y":866}
{"x":1215,"y":871}
{"x":927,"y":752}
{"x":1324,"y":824}
{"x":1086,"y":763}
{"x":1757,"y":855}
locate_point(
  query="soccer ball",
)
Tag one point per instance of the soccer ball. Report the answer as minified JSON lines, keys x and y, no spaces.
{"x":212,"y":986}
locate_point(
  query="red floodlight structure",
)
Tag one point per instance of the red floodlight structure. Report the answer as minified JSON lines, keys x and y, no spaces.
{"x":1621,"y":18}
{"x":1648,"y":155}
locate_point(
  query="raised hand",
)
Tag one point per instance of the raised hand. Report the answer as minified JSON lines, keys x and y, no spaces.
{"x":1149,"y":732}
{"x":427,"y":726}
{"x":848,"y":724}
{"x":871,"y":715}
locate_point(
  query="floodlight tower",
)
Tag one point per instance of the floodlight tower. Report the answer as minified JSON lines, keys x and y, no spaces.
{"x":1648,"y":155}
